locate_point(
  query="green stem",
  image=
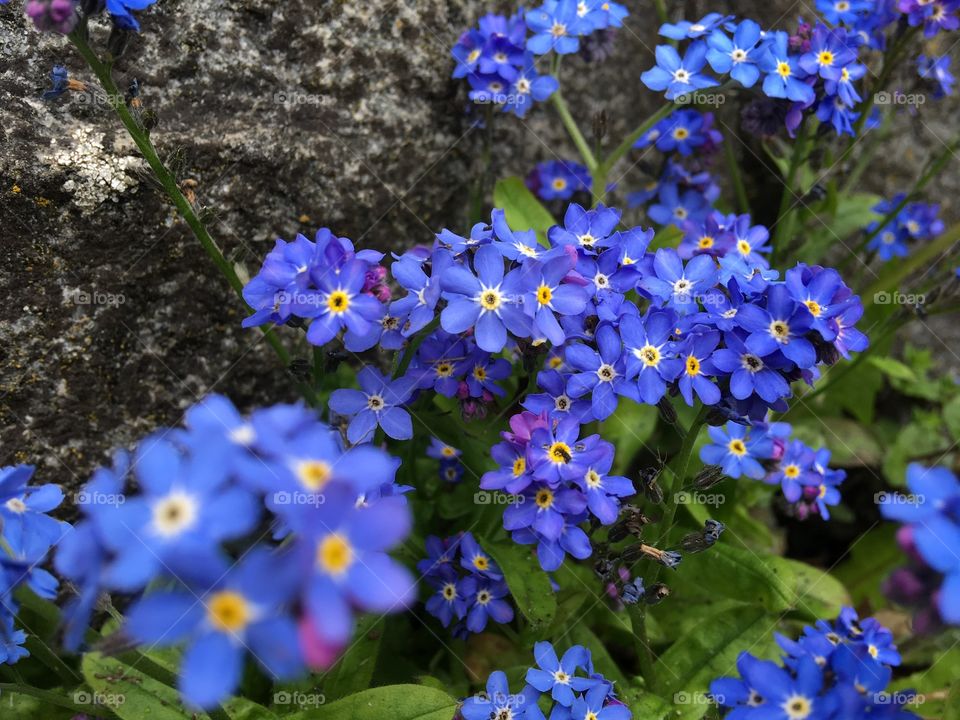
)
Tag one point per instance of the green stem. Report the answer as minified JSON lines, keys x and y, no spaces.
{"x":785,"y":214}
{"x":166,"y":179}
{"x":638,"y":623}
{"x":733,"y":169}
{"x":661,"y":8}
{"x":412,"y":346}
{"x":678,"y":470}
{"x":603,"y":168}
{"x":583,"y":147}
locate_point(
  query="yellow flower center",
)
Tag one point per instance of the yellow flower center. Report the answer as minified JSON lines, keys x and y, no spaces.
{"x":544,"y":498}
{"x":448,"y":451}
{"x":681,"y":133}
{"x":555,"y":362}
{"x":334,"y":554}
{"x":229,"y":611}
{"x":338,"y":302}
{"x":593,"y":479}
{"x":313,"y":474}
{"x":544,"y":295}
{"x":480,"y":373}
{"x":473,"y":56}
{"x":792,"y":471}
{"x":743,"y":247}
{"x":705,"y":243}
{"x":814,"y":307}
{"x":444,"y":369}
{"x":480,"y":562}
{"x":737,"y":447}
{"x":559,"y":453}
{"x":559,"y":183}
{"x":783,"y":69}
{"x":490,"y":299}
{"x":649,"y":355}
{"x":825,"y":57}
{"x":693,"y":365}
{"x":558,"y":29}
{"x":780,"y":330}
{"x":519,"y":466}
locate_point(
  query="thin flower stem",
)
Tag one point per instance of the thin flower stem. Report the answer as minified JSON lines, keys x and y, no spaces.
{"x":603,"y":169}
{"x":784,"y":224}
{"x":583,"y":147}
{"x":412,"y":347}
{"x":167,"y":180}
{"x":733,"y":168}
{"x":56,"y":699}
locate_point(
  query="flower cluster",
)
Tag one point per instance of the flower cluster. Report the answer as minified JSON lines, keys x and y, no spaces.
{"x":765,"y":451}
{"x":499,"y":57}
{"x":27,"y":533}
{"x":834,"y":671}
{"x":451,"y":469}
{"x":203,"y":493}
{"x":915,"y":222}
{"x":930,"y":537}
{"x":472,"y":598}
{"x":558,"y":179}
{"x":554,"y":684}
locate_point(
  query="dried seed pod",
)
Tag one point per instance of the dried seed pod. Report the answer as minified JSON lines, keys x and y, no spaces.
{"x":656,"y":593}
{"x":708,"y":477}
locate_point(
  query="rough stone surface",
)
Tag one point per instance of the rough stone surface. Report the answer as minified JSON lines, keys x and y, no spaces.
{"x":288,"y":115}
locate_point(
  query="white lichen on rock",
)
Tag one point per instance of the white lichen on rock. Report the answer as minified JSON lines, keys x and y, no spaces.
{"x":94,"y":174}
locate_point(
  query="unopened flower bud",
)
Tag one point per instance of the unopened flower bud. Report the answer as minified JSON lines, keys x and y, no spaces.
{"x":709,"y":476}
{"x":53,"y":15}
{"x":667,"y":411}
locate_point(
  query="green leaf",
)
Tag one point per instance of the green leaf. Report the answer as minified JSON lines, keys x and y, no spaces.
{"x":917,"y":439}
{"x":129,"y":693}
{"x":353,"y":671}
{"x":581,"y":634}
{"x":528,"y":583}
{"x":871,"y":559}
{"x":951,"y":416}
{"x":851,"y":443}
{"x":629,"y":429}
{"x":397,"y":702}
{"x":778,"y":584}
{"x":645,"y":705}
{"x":952,"y":705}
{"x":708,"y":651}
{"x":894,"y":368}
{"x":523,"y":210}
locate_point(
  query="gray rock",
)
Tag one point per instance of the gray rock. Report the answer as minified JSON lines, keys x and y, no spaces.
{"x":288,"y":116}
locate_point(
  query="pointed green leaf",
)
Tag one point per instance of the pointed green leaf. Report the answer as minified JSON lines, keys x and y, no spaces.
{"x":523,"y":210}
{"x":397,"y":702}
{"x":527,"y":581}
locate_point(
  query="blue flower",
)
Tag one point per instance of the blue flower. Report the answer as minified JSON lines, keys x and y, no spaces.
{"x":555,"y":453}
{"x":24,"y":508}
{"x":474,"y":559}
{"x":749,"y":373}
{"x":486,"y":301}
{"x":696,"y":353}
{"x":542,"y":508}
{"x":529,"y":86}
{"x":736,"y":452}
{"x":222,"y":614}
{"x":795,"y":470}
{"x":828,"y":53}
{"x":378,"y":403}
{"x":450,"y":600}
{"x":681,"y":131}
{"x":845,"y":12}
{"x":781,"y":326}
{"x":555,"y":400}
{"x":686,"y":29}
{"x":545,"y":295}
{"x":186,"y":510}
{"x":784,"y":76}
{"x":498,"y":701}
{"x":558,"y":676}
{"x":738,"y":56}
{"x":555,"y":26}
{"x":555,"y":179}
{"x":551,"y":553}
{"x":586,"y":230}
{"x":674,"y":207}
{"x":678,"y":77}
{"x":676,"y":286}
{"x":11,"y":641}
{"x":603,"y":373}
{"x":441,"y":362}
{"x":340,"y":304}
{"x":343,"y":562}
{"x":59,"y":83}
{"x":592,"y":705}
{"x":439,"y":450}
{"x":649,"y":354}
{"x":936,"y":70}
{"x":419,"y":306}
{"x":120,"y":12}
{"x":485,"y":600}
{"x":602,"y":489}
{"x":480,"y":234}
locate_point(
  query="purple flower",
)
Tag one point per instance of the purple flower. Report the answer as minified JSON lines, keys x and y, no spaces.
{"x":676,"y":286}
{"x":601,"y":373}
{"x":780,"y":326}
{"x":340,"y":304}
{"x":828,"y":53}
{"x":545,"y":295}
{"x":377,"y":403}
{"x":555,"y":453}
{"x":795,"y":470}
{"x":474,"y":559}
{"x":649,"y":354}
